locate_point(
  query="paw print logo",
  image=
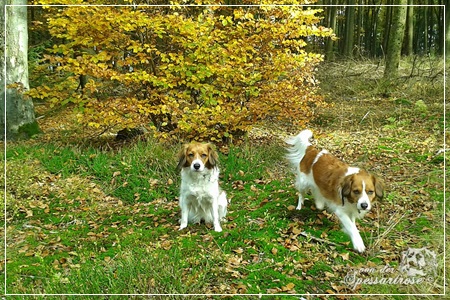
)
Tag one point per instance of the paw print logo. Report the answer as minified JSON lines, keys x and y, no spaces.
{"x":418,"y":262}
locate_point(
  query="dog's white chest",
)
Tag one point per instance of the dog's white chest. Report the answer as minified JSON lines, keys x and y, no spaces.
{"x":201,"y":192}
{"x":200,"y":187}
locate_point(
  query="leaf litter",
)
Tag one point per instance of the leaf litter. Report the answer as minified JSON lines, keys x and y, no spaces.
{"x":402,"y":153}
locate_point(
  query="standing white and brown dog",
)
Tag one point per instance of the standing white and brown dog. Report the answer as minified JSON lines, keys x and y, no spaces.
{"x":200,"y":195}
{"x":346,"y":191}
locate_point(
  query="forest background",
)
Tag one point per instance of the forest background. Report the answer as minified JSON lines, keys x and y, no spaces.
{"x":231,"y":67}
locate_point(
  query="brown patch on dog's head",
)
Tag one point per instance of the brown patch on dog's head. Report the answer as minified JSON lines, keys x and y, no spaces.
{"x":352,"y":187}
{"x":201,"y":151}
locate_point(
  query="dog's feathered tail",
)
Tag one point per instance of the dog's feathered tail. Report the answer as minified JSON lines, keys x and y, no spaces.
{"x":298,"y":145}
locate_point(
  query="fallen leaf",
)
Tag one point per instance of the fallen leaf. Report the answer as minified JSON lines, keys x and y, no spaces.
{"x":238,"y":250}
{"x":264,"y":202}
{"x":345,"y":256}
{"x":290,"y":286}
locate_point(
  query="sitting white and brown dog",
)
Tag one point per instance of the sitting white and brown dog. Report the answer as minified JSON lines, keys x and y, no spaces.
{"x":346,"y":191}
{"x":200,"y":195}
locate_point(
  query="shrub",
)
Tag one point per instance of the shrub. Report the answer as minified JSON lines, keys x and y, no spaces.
{"x":208,"y":72}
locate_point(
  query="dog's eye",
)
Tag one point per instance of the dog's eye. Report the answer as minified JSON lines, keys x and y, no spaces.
{"x":356,"y":192}
{"x":370,"y":193}
{"x":204,"y":155}
{"x":191,"y":154}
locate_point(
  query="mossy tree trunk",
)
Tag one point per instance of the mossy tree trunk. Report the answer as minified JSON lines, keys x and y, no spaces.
{"x":395,"y":41}
{"x":20,"y":121}
{"x":409,"y":31}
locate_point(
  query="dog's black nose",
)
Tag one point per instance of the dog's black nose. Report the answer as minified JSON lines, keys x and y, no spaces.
{"x":196,"y":166}
{"x":364,"y":205}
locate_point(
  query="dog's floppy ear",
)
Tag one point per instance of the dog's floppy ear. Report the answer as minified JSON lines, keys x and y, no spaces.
{"x":346,"y":187}
{"x":379,"y":187}
{"x":213,"y":157}
{"x":182,"y":157}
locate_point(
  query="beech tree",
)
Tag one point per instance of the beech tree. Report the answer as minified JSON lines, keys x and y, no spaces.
{"x":20,"y":120}
{"x":395,"y":42}
{"x":204,"y":72}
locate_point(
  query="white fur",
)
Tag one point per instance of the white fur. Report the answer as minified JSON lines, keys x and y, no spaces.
{"x":200,"y":196}
{"x":346,"y":213}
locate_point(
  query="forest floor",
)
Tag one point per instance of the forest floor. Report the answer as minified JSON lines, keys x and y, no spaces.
{"x":85,"y":219}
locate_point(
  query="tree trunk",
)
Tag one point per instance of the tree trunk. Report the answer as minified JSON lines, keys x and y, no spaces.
{"x":329,"y":51}
{"x":395,"y":40}
{"x":431,"y":31}
{"x":387,"y":26}
{"x":447,"y":31}
{"x":425,"y":29}
{"x":349,"y":29}
{"x":370,"y":30}
{"x":441,"y":29}
{"x":409,"y":32}
{"x":20,"y":119}
{"x":359,"y":30}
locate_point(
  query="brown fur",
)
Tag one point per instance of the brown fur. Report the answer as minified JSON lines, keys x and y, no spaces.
{"x":205,"y":152}
{"x":351,"y":186}
{"x":329,"y":175}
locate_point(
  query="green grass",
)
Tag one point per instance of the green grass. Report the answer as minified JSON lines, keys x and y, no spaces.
{"x":131,"y":245}
{"x":88,"y":220}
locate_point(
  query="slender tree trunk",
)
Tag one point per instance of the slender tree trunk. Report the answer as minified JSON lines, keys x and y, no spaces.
{"x":447,"y":31}
{"x":431,"y":31}
{"x":441,"y":29}
{"x":409,"y":32}
{"x":370,"y":30}
{"x":387,"y":26}
{"x":349,"y":29}
{"x":395,"y":40}
{"x":359,"y":25}
{"x":367,"y":30}
{"x":20,"y":119}
{"x":329,"y":49}
{"x":425,"y":29}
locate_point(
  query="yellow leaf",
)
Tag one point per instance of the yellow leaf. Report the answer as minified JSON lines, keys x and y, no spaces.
{"x":288,"y":287}
{"x":345,"y":256}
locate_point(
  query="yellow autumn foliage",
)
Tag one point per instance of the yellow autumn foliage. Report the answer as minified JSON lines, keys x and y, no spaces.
{"x":195,"y":72}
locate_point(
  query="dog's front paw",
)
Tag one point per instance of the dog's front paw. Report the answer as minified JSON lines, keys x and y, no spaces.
{"x":182,"y":226}
{"x":358,"y":245}
{"x":217,"y":228}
